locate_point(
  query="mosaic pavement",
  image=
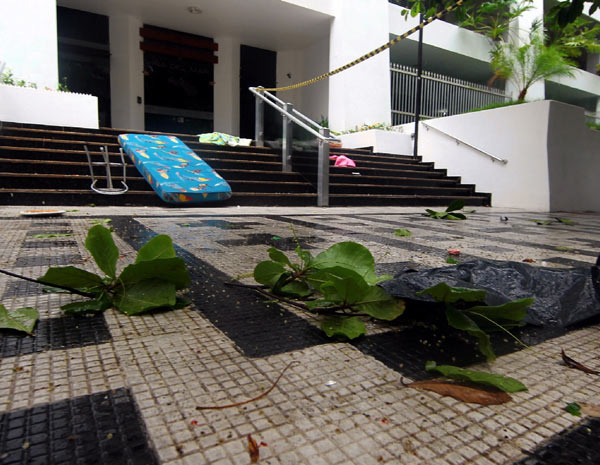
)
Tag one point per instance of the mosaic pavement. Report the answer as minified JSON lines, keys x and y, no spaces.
{"x":112,"y":389}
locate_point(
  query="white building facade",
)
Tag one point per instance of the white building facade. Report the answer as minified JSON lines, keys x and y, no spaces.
{"x":236,"y":43}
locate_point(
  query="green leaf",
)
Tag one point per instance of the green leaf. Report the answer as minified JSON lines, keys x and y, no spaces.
{"x":379,"y":304}
{"x":513,"y":311}
{"x":144,"y":296}
{"x":565,"y":221}
{"x":444,"y":293}
{"x":268,"y":273}
{"x":350,"y":255}
{"x":160,"y":246}
{"x":564,"y":249}
{"x":452,"y":261}
{"x":574,"y":409}
{"x":46,"y":236}
{"x":99,"y":304}
{"x":540,"y":222}
{"x":278,"y":256}
{"x":171,"y":270}
{"x":21,"y":319}
{"x":504,"y":383}
{"x":349,"y":327}
{"x":455,"y":216}
{"x":305,"y":256}
{"x":457,"y":204}
{"x":459,"y":320}
{"x":100,"y":243}
{"x":402,"y":233}
{"x":340,"y":284}
{"x":296,"y":289}
{"x":71,"y":276}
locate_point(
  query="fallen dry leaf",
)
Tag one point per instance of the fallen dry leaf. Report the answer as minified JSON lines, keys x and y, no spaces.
{"x":253,"y":449}
{"x":529,"y":260}
{"x":575,"y":364}
{"x":463,"y":393}
{"x":590,"y":409}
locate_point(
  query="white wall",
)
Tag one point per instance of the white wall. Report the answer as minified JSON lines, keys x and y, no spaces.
{"x":126,"y":76}
{"x":227,"y":86}
{"x":574,"y":160}
{"x":517,"y":134}
{"x":360,"y":94}
{"x":553,"y":158}
{"x":49,"y":107}
{"x":28,"y":41}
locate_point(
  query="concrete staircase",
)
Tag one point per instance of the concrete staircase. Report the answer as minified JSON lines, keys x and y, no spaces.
{"x":43,"y":165}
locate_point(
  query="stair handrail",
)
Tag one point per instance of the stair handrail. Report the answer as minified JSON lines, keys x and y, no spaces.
{"x":494,"y":158}
{"x":289,"y":115}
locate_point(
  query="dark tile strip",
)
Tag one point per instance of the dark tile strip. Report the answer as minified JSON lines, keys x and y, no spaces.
{"x":56,"y":333}
{"x":48,"y":260}
{"x":258,"y":329}
{"x":577,"y":445}
{"x":102,"y":428}
{"x":46,"y":244}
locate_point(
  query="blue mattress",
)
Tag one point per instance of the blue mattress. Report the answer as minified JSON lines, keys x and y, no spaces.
{"x":173,"y":170}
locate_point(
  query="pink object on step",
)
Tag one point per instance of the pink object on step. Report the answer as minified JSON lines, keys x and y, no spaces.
{"x":343,"y":161}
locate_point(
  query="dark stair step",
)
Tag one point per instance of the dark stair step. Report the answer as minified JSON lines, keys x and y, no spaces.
{"x":375,"y":189}
{"x":349,"y":200}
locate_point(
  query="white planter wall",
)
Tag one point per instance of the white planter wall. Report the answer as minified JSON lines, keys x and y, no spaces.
{"x":382,"y":141}
{"x":553,"y":158}
{"x":40,"y":106}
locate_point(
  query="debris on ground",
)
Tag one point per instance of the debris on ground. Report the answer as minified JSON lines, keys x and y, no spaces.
{"x":578,"y":366}
{"x":563,"y":296}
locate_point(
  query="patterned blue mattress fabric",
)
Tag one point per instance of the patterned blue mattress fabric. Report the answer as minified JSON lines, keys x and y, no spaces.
{"x":173,"y":170}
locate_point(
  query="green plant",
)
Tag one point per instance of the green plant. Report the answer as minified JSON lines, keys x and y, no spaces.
{"x":149,"y":283}
{"x":491,"y":106}
{"x":451,"y":213}
{"x":493,"y":18}
{"x":62,"y":86}
{"x":595,"y":126}
{"x":466,"y":310}
{"x":366,"y":127}
{"x":528,"y":63}
{"x":339,"y":283}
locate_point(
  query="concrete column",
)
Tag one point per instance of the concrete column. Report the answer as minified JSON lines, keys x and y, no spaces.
{"x":360,"y":94}
{"x":126,"y":73}
{"x":227,"y":86}
{"x":28,"y":40}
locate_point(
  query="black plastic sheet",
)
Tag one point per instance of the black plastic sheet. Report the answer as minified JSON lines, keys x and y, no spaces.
{"x":562,"y":296}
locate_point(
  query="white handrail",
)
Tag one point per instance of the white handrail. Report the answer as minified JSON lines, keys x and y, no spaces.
{"x":494,"y":158}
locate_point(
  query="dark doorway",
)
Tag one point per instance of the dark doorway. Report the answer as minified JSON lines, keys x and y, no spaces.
{"x":178,"y":81}
{"x":258,"y":67}
{"x":84,"y":56}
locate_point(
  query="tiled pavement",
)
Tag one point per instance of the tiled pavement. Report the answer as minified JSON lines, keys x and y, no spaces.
{"x":111,"y":389}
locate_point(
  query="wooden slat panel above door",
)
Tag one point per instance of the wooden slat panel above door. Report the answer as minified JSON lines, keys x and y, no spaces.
{"x":179,"y":39}
{"x":178,"y":52}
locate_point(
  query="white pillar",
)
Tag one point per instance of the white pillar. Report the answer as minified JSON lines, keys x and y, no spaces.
{"x":126,"y":73}
{"x":360,"y":94}
{"x":227,"y":86}
{"x":28,"y":40}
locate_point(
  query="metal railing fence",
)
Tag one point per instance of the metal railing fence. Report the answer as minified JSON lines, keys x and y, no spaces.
{"x":441,"y":95}
{"x":290,"y":115}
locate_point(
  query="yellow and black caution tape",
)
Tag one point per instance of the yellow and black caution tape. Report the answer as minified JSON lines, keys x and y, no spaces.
{"x":367,"y":56}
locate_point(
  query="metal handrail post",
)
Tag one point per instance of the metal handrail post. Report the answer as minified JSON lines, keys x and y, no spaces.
{"x":259,"y":123}
{"x":104,"y":151}
{"x":323,"y":170}
{"x":286,"y":146}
